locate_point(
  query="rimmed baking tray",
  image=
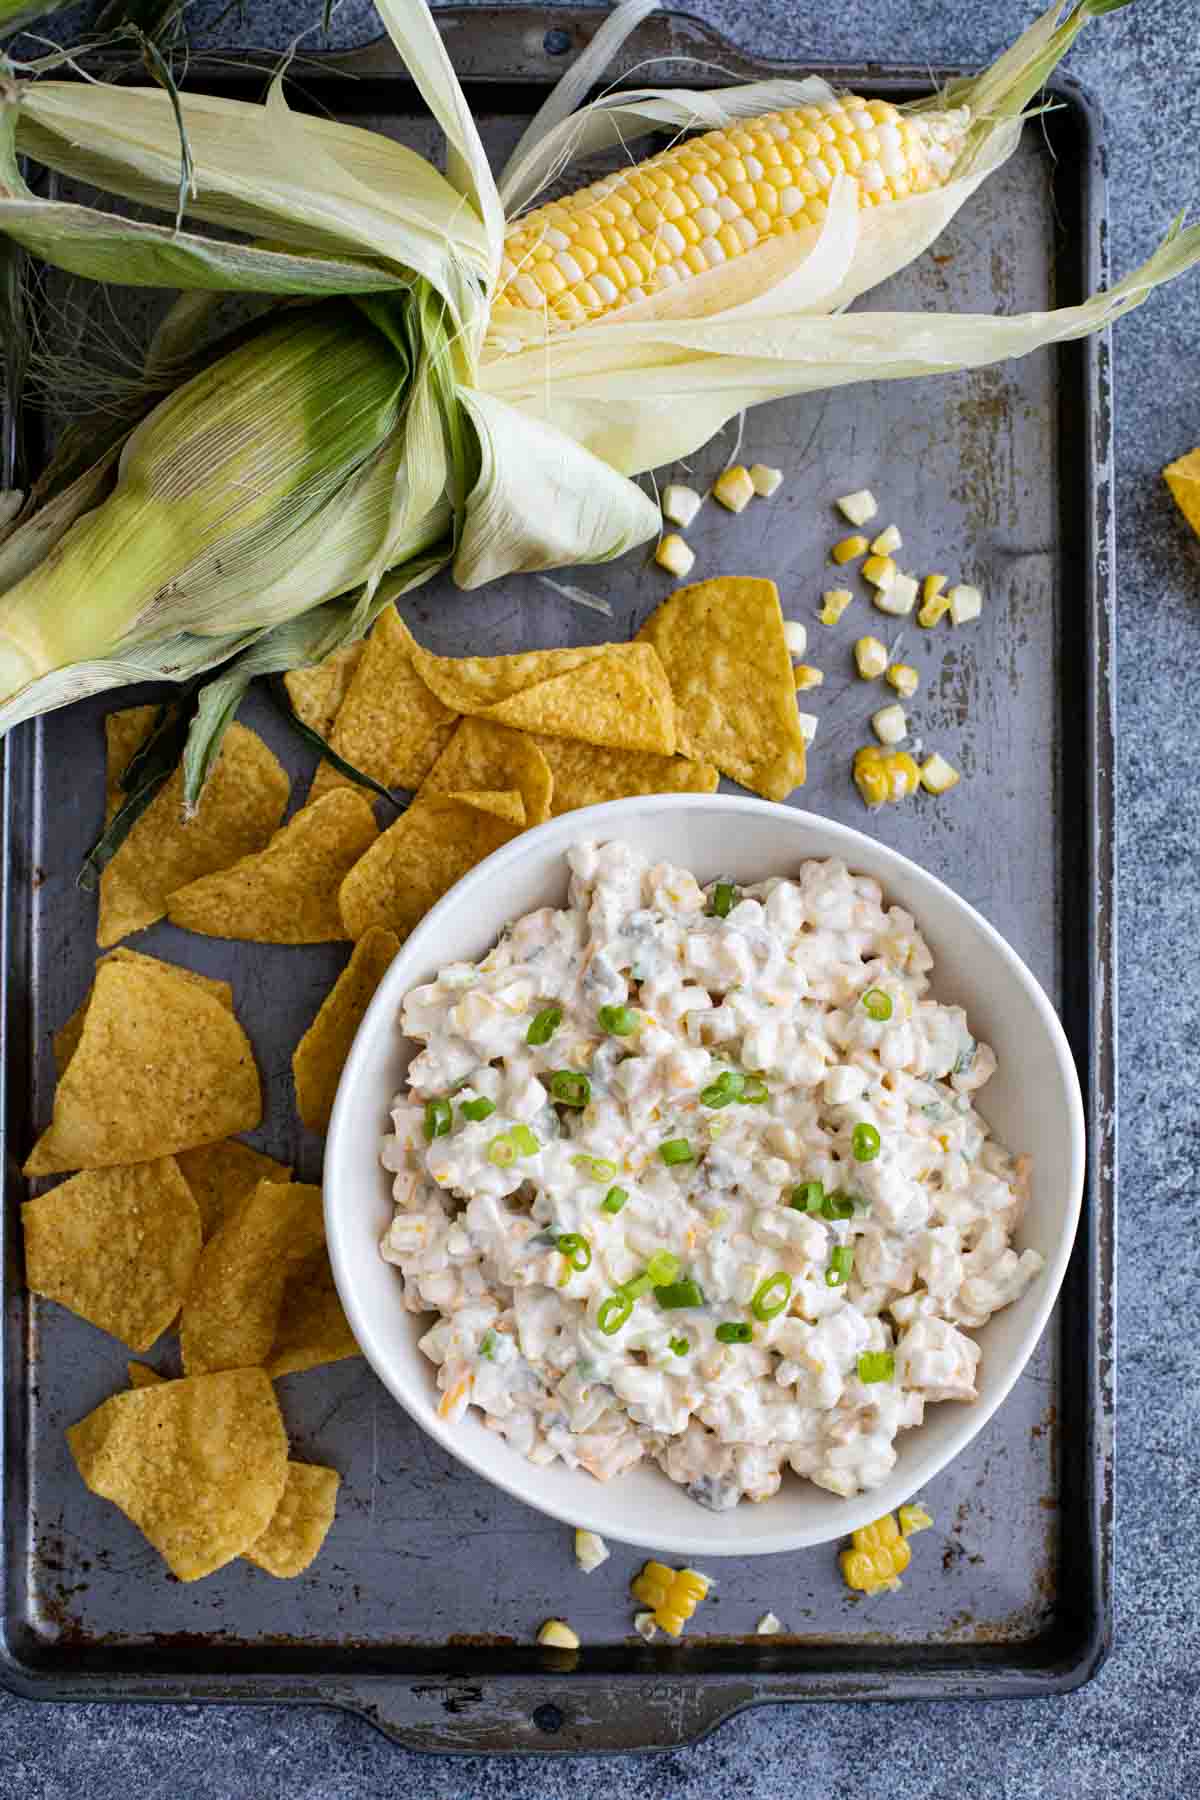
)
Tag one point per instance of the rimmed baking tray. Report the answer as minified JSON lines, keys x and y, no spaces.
{"x":420,"y":1612}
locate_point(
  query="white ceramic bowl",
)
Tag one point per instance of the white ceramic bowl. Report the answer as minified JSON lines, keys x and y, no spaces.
{"x":1033,"y":1103}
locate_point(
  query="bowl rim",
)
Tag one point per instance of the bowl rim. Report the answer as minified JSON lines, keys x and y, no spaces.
{"x":603,"y":820}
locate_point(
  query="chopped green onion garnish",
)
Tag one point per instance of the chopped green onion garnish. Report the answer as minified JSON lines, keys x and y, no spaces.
{"x":675,"y":1150}
{"x":570,"y":1088}
{"x":641,"y":1284}
{"x":438,"y":1119}
{"x":754,"y":1091}
{"x":865,"y":1139}
{"x":502,"y":1151}
{"x":544,"y":1025}
{"x":837,"y":1206}
{"x":477,"y":1109}
{"x":808,"y":1197}
{"x":597,"y":1167}
{"x":876,"y":1365}
{"x":526,"y":1142}
{"x":614,"y":1200}
{"x":678,"y":1294}
{"x":841,"y":1262}
{"x":614,"y":1312}
{"x":771,"y":1296}
{"x":662,"y":1267}
{"x":878,"y":1004}
{"x":735,"y":1332}
{"x":618,"y":1021}
{"x":487,"y":1346}
{"x":726,"y":1088}
{"x":575,"y":1247}
{"x":725,"y":898}
{"x":679,"y":1346}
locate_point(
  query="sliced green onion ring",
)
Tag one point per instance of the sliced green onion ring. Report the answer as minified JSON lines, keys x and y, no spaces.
{"x":614,"y":1200}
{"x":807,"y":1197}
{"x":544,"y":1025}
{"x":524,"y":1139}
{"x":570,"y":1088}
{"x":614,"y":1312}
{"x":676,"y":1150}
{"x":725,"y":898}
{"x":502,"y":1151}
{"x":771,"y":1296}
{"x":876,"y":1365}
{"x":477,"y":1109}
{"x":841,"y":1263}
{"x":878,"y":1005}
{"x":734,"y":1331}
{"x":866,"y":1143}
{"x":575,"y":1247}
{"x":662,"y":1267}
{"x":678,"y":1294}
{"x":837,"y":1206}
{"x":438,"y":1119}
{"x":618,"y":1021}
{"x":596,"y":1166}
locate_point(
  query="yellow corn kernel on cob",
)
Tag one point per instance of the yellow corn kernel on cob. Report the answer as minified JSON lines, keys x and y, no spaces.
{"x":672,"y":1595}
{"x":882,"y":775}
{"x":878,"y":1558}
{"x":708,"y":199}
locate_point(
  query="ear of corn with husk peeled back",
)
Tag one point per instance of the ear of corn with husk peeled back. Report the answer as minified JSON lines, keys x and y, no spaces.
{"x":481,"y":370}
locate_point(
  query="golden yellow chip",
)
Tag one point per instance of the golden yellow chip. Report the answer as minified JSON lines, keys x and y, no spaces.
{"x":723,"y":647}
{"x":418,"y":859}
{"x":586,"y":774}
{"x":287,"y":894}
{"x":242,"y":804}
{"x":1183,"y":479}
{"x":317,"y":693}
{"x":485,"y":758}
{"x":312,"y":1327}
{"x":141,"y":1375}
{"x":501,"y":803}
{"x":322,"y":1051}
{"x":391,"y":725}
{"x":199,"y":1465}
{"x":301,"y":1522}
{"x":66,"y":1038}
{"x":231,"y":1312}
{"x":220,"y":1175}
{"x":161,"y":1066}
{"x":117,"y":1246}
{"x":621,"y":699}
{"x":473,"y":684}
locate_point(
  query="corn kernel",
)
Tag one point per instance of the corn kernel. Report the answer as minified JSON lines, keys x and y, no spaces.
{"x":870,"y":658}
{"x":848,"y":548}
{"x":914,"y":1518}
{"x":884,"y":775}
{"x":558,"y":1633}
{"x":765,"y":481}
{"x":878,"y":1558}
{"x":674,"y":555}
{"x":590,"y":1550}
{"x":889,"y":724}
{"x":672,"y":1594}
{"x":904,"y":678}
{"x":734,"y":489}
{"x":965,"y":603}
{"x":834,"y":602}
{"x":768,"y":1625}
{"x":899,"y":598}
{"x":805,"y":677}
{"x":937,"y":775}
{"x":859,"y":508}
{"x":795,"y":636}
{"x":645,"y":1627}
{"x":880,"y":571}
{"x":808,"y":723}
{"x":680,"y":504}
{"x":887,"y":541}
{"x":934,"y":604}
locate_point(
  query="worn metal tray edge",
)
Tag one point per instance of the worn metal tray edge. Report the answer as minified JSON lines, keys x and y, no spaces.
{"x":459,"y":1700}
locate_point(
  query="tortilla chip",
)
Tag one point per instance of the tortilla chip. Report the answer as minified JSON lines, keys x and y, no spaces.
{"x":391,"y":725}
{"x":317,"y":693}
{"x":198,"y":1465}
{"x":586,"y":774}
{"x":242,"y":803}
{"x":484,"y":758}
{"x":621,"y":699}
{"x":501,"y":803}
{"x":723,"y":647}
{"x":322,"y":1051}
{"x":66,"y":1038}
{"x":232,"y":1309}
{"x":161,"y":1066}
{"x":312,"y":1327}
{"x":220,"y":1175}
{"x":301,"y":1522}
{"x":117,"y":1246}
{"x":418,"y":859}
{"x":141,"y":1375}
{"x":472,"y":684}
{"x":287,"y":894}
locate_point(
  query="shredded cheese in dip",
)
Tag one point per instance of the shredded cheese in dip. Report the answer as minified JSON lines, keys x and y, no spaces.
{"x":695,"y":1174}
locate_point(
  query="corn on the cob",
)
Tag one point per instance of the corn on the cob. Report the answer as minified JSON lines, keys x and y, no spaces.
{"x":715,"y":197}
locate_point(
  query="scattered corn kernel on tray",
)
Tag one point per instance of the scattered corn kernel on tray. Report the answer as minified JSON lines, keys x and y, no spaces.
{"x":424,"y":1607}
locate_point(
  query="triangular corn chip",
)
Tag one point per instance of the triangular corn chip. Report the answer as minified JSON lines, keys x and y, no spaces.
{"x":321,"y":1053}
{"x":501,"y":803}
{"x":418,"y":859}
{"x":220,"y":1175}
{"x":242,"y":804}
{"x":66,"y":1038}
{"x":199,"y":1465}
{"x":486,"y":758}
{"x":301,"y":1521}
{"x":621,"y":699}
{"x":161,"y":1065}
{"x":391,"y":725}
{"x":587,"y":774}
{"x":473,"y":684}
{"x":1183,"y":479}
{"x":723,"y":648}
{"x":232,"y":1310}
{"x":118,"y":1246}
{"x":312,"y":1328}
{"x":287,"y":893}
{"x":141,"y":1375}
{"x":318,"y":692}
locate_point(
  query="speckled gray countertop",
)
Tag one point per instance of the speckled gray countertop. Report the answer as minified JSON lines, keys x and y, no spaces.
{"x":1134,"y":1731}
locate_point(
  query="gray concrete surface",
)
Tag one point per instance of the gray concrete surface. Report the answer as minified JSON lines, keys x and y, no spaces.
{"x":1133,"y":1731}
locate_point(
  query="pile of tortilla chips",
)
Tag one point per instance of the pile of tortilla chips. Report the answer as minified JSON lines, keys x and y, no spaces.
{"x":168,"y":1217}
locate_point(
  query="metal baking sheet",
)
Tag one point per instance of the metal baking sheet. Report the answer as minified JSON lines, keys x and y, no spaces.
{"x":421,"y":1610}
